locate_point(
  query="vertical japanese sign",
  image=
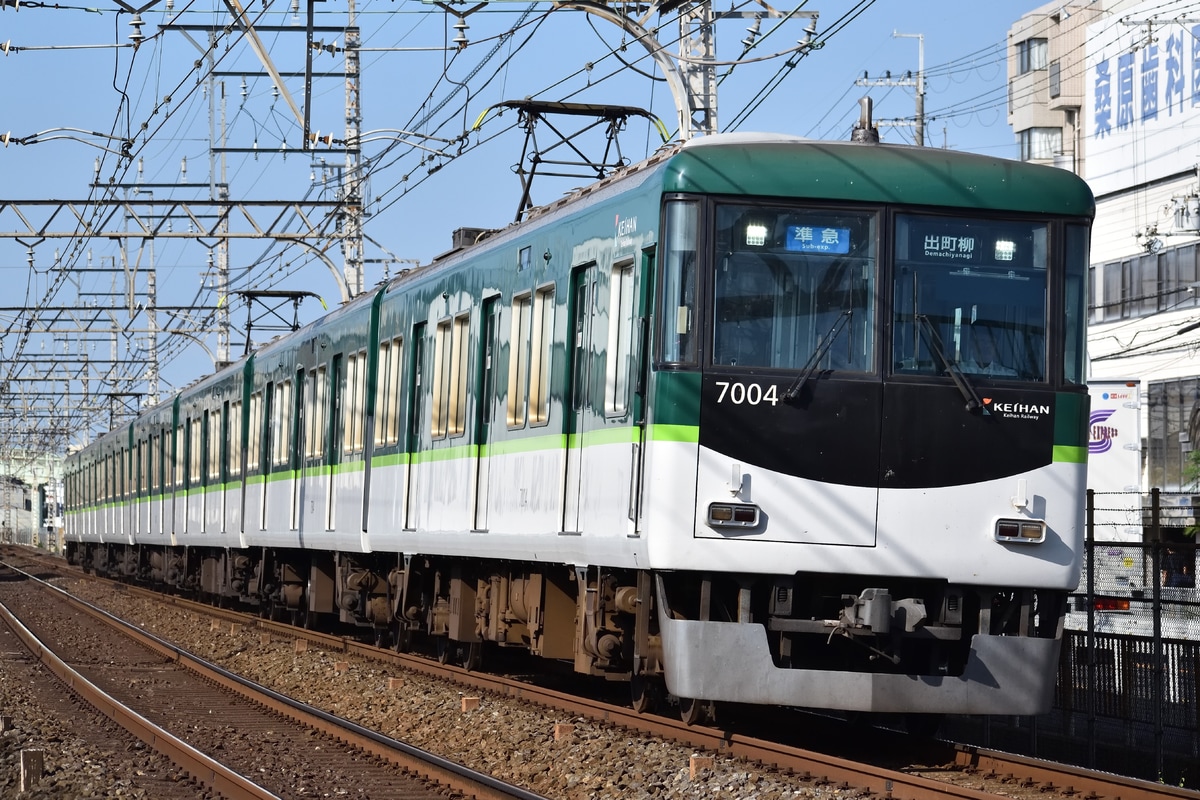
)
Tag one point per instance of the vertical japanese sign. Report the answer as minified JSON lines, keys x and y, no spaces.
{"x":1141,"y":96}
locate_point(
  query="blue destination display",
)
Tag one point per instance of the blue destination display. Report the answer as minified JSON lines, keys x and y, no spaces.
{"x":816,"y":239}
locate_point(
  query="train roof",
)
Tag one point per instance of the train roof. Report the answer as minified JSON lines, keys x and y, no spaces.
{"x":778,"y":165}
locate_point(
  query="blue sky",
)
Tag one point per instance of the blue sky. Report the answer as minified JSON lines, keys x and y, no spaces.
{"x":63,"y":75}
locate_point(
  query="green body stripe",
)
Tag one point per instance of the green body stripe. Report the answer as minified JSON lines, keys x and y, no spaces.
{"x":1070,"y":455}
{"x":689,"y":434}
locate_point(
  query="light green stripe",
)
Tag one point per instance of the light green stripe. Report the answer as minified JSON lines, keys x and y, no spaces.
{"x":615,"y":434}
{"x":445,"y":454}
{"x":349,"y":467}
{"x":689,"y":434}
{"x":526,"y":444}
{"x":1069,"y":454}
{"x":390,"y":460}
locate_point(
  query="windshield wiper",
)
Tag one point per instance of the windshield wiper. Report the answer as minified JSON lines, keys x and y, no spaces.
{"x":934,"y":342}
{"x":794,"y":390}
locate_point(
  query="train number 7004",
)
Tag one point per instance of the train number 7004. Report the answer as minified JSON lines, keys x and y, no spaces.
{"x":748,"y":393}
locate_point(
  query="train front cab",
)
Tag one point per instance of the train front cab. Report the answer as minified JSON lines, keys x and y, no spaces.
{"x":895,"y":527}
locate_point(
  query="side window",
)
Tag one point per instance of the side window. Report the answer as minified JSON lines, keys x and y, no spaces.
{"x":382,"y":411}
{"x":254,"y":446}
{"x":621,"y":326}
{"x":1075,"y":296}
{"x":677,"y":302}
{"x":214,"y":421}
{"x":281,"y":430}
{"x":518,"y":360}
{"x":449,"y":412}
{"x":353,"y":408}
{"x":233,"y":446}
{"x":540,"y":350}
{"x":142,"y":479}
{"x":286,"y":409}
{"x":387,"y":393}
{"x":155,"y":460}
{"x":195,"y":465}
{"x":314,"y":412}
{"x":179,"y":454}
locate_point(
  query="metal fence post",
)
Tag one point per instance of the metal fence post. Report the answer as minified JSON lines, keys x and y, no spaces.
{"x":1156,"y":642}
{"x":1090,"y":597}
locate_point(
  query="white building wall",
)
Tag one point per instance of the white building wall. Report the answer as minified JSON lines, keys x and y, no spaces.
{"x":1129,"y":103}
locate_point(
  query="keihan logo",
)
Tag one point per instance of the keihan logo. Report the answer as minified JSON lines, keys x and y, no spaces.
{"x":1018,"y":410}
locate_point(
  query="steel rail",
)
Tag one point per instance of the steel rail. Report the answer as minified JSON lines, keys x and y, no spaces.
{"x":453,"y":775}
{"x":1064,"y":778}
{"x":818,"y":768}
{"x":208,"y":771}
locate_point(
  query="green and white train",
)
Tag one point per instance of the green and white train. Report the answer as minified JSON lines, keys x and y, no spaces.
{"x":760,"y":419}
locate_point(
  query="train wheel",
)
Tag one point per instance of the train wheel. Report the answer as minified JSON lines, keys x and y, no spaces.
{"x":696,"y":712}
{"x":383,"y":638}
{"x":445,"y":649}
{"x":470,"y":655}
{"x":645,"y":694}
{"x":401,"y":638}
{"x":300,"y":617}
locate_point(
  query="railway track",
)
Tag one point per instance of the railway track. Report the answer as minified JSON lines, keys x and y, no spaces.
{"x":948,"y":771}
{"x":187,"y":709}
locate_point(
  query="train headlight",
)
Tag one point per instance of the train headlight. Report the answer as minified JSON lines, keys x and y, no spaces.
{"x":1025,"y":531}
{"x":732,"y":515}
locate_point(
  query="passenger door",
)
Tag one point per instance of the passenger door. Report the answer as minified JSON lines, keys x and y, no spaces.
{"x":484,"y":408}
{"x":314,"y":470}
{"x":415,"y":426}
{"x":579,"y":347}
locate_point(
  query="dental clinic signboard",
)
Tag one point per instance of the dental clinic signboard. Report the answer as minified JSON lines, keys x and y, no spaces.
{"x":1141,"y":96}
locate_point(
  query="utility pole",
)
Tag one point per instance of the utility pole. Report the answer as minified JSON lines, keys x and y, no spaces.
{"x":697,"y":51}
{"x":918,"y":123}
{"x":352,"y":244}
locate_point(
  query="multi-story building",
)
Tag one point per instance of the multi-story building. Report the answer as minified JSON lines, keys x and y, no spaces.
{"x":1111,"y":89}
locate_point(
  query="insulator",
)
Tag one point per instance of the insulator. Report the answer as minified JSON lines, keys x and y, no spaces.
{"x":137,"y":37}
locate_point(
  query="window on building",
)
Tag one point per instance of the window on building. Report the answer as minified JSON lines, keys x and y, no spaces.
{"x":1040,"y":143}
{"x":1146,"y":284}
{"x":1031,"y":55}
{"x":1055,"y":79}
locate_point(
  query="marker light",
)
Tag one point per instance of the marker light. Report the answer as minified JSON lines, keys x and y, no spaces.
{"x":732,"y":515}
{"x":1020,"y":530}
{"x":756,"y":235}
{"x":1005,"y":250}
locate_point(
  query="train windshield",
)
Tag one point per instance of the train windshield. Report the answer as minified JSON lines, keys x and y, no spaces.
{"x":794,"y":284}
{"x":971,"y":292}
